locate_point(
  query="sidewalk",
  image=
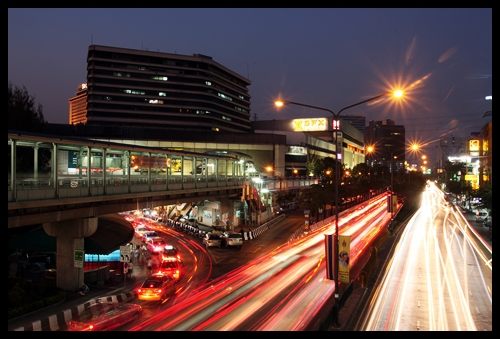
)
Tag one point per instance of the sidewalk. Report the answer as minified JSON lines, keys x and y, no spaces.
{"x":55,"y":317}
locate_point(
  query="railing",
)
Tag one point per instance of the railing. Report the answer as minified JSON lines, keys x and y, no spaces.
{"x":74,"y":186}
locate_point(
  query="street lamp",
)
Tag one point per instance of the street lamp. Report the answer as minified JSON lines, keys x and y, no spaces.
{"x":337,"y":139}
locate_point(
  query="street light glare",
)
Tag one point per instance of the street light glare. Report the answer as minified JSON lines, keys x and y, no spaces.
{"x":279,"y":103}
{"x":370,"y":149}
{"x":415,"y":147}
{"x":398,"y":93}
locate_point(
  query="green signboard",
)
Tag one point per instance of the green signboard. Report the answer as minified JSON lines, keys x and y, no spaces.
{"x":72,"y":159}
{"x":78,"y":258}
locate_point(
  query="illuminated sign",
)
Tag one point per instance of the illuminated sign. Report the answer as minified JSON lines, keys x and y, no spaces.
{"x":297,"y":150}
{"x":485,"y":146}
{"x":473,"y":145}
{"x":308,"y":125}
{"x":470,"y":177}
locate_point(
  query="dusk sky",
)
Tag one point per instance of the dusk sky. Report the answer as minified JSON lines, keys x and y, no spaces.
{"x":323,"y":57}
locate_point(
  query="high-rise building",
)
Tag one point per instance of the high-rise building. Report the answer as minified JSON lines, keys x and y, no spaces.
{"x":357,"y":121}
{"x":388,"y":140}
{"x":78,"y":106}
{"x":129,"y":87}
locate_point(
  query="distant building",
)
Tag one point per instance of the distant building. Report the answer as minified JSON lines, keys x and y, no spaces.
{"x":357,"y":121}
{"x":388,"y":140}
{"x":78,"y":106}
{"x":313,"y":138}
{"x":486,"y":155}
{"x":129,"y":87}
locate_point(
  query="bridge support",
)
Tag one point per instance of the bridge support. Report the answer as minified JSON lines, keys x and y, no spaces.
{"x":70,"y":236}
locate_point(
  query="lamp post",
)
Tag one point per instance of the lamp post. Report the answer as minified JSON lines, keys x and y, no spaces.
{"x":337,"y":139}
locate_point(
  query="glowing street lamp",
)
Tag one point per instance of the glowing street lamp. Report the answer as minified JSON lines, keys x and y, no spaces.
{"x":424,"y":157}
{"x":397,"y":94}
{"x":415,"y":147}
{"x":269,"y":169}
{"x":370,"y":149}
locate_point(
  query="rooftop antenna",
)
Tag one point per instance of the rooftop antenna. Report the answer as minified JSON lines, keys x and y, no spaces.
{"x":91,"y":39}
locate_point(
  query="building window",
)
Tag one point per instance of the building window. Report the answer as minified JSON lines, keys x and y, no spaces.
{"x":133,"y":91}
{"x":162,"y":78}
{"x":162,"y":94}
{"x":241,"y":97}
{"x":208,"y":83}
{"x":223,"y":96}
{"x":155,"y":101}
{"x":226,"y":118}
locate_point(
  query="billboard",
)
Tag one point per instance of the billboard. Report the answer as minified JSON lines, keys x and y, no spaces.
{"x":474,"y":146}
{"x":344,"y":252}
{"x":309,"y":125}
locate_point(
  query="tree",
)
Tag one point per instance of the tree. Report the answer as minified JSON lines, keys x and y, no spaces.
{"x":23,"y":113}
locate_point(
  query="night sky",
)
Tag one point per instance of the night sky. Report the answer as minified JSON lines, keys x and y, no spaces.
{"x":323,"y":57}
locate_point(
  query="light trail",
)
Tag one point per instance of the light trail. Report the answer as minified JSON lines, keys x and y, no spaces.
{"x":439,"y":277}
{"x":285,"y":289}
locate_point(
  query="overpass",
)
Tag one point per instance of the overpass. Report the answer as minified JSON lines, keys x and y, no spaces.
{"x":66,"y":183}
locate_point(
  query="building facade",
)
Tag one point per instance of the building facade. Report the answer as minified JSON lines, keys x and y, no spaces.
{"x":388,"y":140}
{"x":357,"y":121}
{"x":77,"y":113}
{"x":313,"y":138}
{"x":129,"y":87}
{"x":486,"y":156}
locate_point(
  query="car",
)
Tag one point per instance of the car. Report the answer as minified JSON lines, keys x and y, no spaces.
{"x":149,"y":235}
{"x":169,"y":267}
{"x":170,"y":253}
{"x":232,"y":239}
{"x":105,"y":317}
{"x":157,"y":287}
{"x":482,"y":214}
{"x":140,"y":230}
{"x":156,"y":245}
{"x":212,"y":240}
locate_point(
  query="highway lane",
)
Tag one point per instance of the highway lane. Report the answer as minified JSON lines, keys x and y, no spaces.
{"x":246,"y":297}
{"x":196,"y":270}
{"x":439,"y":277}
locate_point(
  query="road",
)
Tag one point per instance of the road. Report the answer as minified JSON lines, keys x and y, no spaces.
{"x":439,"y":277}
{"x":285,"y":289}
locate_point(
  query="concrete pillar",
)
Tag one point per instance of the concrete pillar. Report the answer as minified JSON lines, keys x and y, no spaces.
{"x":35,"y":162}
{"x":70,"y":234}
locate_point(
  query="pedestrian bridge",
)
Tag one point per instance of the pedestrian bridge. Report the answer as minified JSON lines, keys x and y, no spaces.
{"x":54,"y":179}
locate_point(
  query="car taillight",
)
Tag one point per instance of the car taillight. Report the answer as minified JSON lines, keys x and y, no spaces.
{"x":91,"y":327}
{"x":139,"y":290}
{"x":158,"y":291}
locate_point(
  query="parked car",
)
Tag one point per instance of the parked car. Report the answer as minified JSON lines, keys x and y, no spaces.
{"x":232,"y":239}
{"x":212,"y":240}
{"x":105,"y":317}
{"x":156,"y":288}
{"x":482,"y":214}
